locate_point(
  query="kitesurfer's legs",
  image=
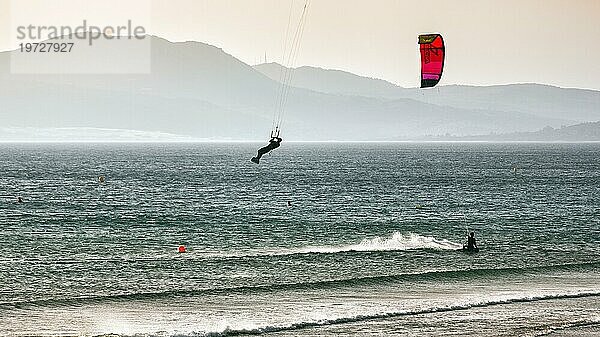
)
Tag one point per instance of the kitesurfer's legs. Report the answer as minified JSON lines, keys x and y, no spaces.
{"x":261,"y":152}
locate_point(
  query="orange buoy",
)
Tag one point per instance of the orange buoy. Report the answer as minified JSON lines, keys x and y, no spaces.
{"x":181,"y":249}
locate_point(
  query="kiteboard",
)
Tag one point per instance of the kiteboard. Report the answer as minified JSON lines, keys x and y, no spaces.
{"x":467,"y":250}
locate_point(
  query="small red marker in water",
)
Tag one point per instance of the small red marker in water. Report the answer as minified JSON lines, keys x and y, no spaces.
{"x":181,"y":249}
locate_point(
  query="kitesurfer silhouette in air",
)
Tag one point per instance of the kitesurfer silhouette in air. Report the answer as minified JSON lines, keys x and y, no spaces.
{"x":274,"y":143}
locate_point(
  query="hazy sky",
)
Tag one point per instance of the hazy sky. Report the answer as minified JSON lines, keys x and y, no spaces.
{"x":488,"y":42}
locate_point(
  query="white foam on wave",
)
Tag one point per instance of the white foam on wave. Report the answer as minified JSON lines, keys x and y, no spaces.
{"x":249,"y":328}
{"x":398,"y":241}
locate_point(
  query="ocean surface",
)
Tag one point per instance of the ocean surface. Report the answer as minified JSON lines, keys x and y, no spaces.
{"x":368,"y":247}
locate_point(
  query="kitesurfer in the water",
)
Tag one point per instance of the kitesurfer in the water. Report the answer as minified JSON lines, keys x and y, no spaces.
{"x":274,"y":143}
{"x":471,"y":243}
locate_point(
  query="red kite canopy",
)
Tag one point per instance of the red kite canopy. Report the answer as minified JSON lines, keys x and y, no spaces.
{"x":432,"y":59}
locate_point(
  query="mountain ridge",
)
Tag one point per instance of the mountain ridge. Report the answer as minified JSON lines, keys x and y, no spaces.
{"x":584,"y":132}
{"x":200,"y":91}
{"x":543,"y":100}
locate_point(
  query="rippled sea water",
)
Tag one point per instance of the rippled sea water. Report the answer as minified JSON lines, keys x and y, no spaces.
{"x":369,"y":245}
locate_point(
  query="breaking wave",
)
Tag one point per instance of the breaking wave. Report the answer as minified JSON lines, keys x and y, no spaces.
{"x":359,"y":318}
{"x":318,"y":284}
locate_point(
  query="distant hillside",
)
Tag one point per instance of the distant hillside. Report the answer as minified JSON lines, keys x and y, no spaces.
{"x":336,"y":82}
{"x":198,"y":91}
{"x":589,"y":132}
{"x":540,"y":100}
